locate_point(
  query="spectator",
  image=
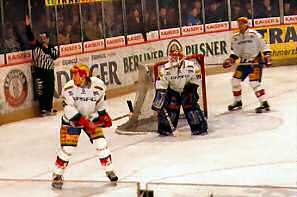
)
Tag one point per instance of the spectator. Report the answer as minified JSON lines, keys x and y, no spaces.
{"x":213,"y":12}
{"x":247,"y":10}
{"x":93,"y":29}
{"x":75,"y":32}
{"x":266,"y":9}
{"x":290,"y":7}
{"x":163,"y":18}
{"x":135,"y":24}
{"x":152,"y":21}
{"x":197,"y":4}
{"x":64,"y":36}
{"x":184,"y":12}
{"x":42,"y":70}
{"x":172,"y":16}
{"x":287,"y":8}
{"x":236,"y":11}
{"x":11,"y":43}
{"x":117,"y":26}
{"x":193,"y":17}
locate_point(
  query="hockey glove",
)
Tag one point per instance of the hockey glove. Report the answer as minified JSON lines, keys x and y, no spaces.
{"x":104,"y":119}
{"x":267,"y":59}
{"x":87,"y":124}
{"x":159,"y":100}
{"x":228,"y":62}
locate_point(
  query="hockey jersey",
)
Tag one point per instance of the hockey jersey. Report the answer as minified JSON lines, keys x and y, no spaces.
{"x":176,"y":77}
{"x":248,"y":45}
{"x":87,"y":100}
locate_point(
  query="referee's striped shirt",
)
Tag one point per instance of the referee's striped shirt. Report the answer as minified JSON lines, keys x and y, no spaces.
{"x":44,"y":60}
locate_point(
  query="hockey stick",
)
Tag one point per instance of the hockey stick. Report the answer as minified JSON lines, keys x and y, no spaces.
{"x":173,"y":129}
{"x":130,"y":106}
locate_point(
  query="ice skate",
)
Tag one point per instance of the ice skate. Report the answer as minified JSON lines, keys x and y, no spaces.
{"x":165,"y":134}
{"x":199,"y":132}
{"x":112,"y":176}
{"x":235,"y":106}
{"x":263,"y":107}
{"x":52,"y":112}
{"x":57,"y":181}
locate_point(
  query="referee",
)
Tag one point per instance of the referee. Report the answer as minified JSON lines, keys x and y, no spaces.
{"x":42,"y":70}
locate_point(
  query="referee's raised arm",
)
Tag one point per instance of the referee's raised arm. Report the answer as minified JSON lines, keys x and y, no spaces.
{"x":29,"y":34}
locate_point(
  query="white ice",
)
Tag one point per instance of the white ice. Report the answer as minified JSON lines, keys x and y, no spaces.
{"x":242,"y":148}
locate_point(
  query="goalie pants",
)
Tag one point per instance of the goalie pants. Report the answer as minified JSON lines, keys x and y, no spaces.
{"x":69,"y":138}
{"x":43,"y":86}
{"x":194,"y":115}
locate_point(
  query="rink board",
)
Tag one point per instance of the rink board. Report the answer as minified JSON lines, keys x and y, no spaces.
{"x":193,"y":190}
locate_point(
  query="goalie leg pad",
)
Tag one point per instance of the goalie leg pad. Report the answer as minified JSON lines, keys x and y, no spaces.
{"x":103,"y":153}
{"x":163,"y":124}
{"x":189,"y":100}
{"x":173,"y":101}
{"x":196,"y":120}
{"x":172,"y":105}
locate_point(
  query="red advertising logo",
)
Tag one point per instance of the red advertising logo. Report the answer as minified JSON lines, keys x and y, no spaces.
{"x":15,"y":88}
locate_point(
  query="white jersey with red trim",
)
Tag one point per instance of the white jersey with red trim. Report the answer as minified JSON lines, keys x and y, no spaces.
{"x":87,"y":100}
{"x":248,"y":45}
{"x":176,"y":77}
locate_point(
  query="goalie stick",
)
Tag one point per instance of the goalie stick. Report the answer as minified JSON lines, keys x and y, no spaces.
{"x":173,"y":129}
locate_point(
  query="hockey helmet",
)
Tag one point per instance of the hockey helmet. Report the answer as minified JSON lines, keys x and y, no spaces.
{"x":175,"y":52}
{"x":243,"y":20}
{"x":243,"y":24}
{"x":82,"y":69}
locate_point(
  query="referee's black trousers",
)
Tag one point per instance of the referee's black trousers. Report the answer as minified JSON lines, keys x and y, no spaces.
{"x":44,"y":87}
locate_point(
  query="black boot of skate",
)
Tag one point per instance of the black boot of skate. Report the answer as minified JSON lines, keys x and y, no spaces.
{"x":263,"y":107}
{"x":235,"y":105}
{"x":57,"y":181}
{"x":112,"y":176}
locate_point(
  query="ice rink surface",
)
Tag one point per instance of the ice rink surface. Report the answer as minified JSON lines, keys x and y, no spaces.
{"x":242,"y":148}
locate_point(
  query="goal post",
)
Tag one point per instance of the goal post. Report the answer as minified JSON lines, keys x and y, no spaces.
{"x":143,"y":119}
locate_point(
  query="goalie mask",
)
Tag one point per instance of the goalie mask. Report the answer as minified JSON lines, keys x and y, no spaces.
{"x":175,"y":53}
{"x":80,"y":73}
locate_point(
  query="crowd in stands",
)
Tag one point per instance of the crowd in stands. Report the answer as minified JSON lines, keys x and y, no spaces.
{"x":107,"y":19}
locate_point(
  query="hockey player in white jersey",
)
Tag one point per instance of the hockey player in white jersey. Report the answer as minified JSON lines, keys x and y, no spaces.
{"x":177,"y":86}
{"x":84,"y":109}
{"x":249,"y":46}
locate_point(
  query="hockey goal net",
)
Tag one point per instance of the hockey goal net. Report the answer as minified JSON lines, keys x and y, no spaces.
{"x":143,"y":119}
